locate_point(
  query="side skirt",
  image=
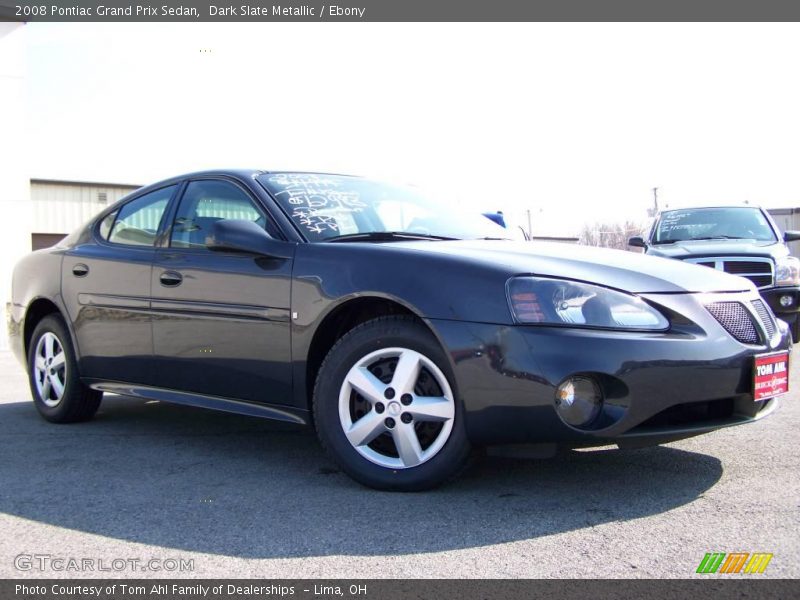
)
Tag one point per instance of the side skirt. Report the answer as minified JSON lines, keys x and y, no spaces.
{"x":239,"y":407}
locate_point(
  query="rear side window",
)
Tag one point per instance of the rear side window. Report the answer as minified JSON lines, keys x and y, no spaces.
{"x":137,"y":222}
{"x":206,"y":202}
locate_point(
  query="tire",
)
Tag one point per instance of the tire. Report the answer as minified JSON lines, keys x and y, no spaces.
{"x":795,"y":329}
{"x":56,"y":387}
{"x":411,"y":438}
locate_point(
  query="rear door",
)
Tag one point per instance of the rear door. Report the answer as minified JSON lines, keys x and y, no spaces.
{"x":105,"y":283}
{"x":220,"y":320}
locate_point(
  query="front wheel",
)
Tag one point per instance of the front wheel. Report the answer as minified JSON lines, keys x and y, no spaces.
{"x":58,"y":393}
{"x":386,"y":408}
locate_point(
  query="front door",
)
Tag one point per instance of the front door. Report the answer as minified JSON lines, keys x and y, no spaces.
{"x":221,"y":322}
{"x":105,"y":284}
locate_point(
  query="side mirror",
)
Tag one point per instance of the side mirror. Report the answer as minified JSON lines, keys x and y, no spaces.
{"x":234,"y":235}
{"x":637,"y":242}
{"x":791,"y":236}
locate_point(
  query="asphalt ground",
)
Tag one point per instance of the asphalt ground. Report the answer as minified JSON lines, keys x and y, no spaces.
{"x":243,"y":497}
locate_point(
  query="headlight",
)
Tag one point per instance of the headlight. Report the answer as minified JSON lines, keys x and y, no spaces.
{"x":573,"y":304}
{"x":787,"y":271}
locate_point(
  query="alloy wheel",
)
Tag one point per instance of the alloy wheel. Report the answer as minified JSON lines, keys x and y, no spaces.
{"x":50,"y":369}
{"x":396,"y":408}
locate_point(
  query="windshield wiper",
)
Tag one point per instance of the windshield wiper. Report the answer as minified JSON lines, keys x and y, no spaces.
{"x":494,"y":239}
{"x":700,"y":239}
{"x":386,"y":236}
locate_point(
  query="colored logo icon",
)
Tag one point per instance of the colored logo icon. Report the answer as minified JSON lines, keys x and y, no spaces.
{"x":736,"y":562}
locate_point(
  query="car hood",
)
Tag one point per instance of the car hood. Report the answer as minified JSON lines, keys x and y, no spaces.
{"x":700,"y":248}
{"x":629,"y":271}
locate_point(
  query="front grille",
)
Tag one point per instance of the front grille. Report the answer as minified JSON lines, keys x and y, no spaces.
{"x":766,"y":318}
{"x":760,"y":281}
{"x":757,"y":270}
{"x":735,"y":318}
{"x":692,"y":413}
{"x":748,"y":267}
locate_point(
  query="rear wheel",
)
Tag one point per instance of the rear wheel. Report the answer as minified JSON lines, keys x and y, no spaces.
{"x":58,"y":393}
{"x":386,"y":408}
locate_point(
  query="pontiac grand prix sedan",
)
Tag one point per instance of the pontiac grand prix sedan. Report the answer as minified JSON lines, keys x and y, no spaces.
{"x":405,"y":331}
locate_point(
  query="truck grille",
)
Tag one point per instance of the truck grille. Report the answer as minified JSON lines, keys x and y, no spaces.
{"x":757,"y":270}
{"x":743,"y":324}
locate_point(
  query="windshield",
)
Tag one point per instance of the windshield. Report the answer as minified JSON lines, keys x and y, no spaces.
{"x":326,"y":207}
{"x":713,"y":223}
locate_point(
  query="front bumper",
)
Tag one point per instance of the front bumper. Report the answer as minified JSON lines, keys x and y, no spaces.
{"x":772,"y":297}
{"x":15,"y":323}
{"x":657,"y":387}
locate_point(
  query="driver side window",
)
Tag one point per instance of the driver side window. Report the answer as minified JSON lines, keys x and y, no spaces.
{"x":204,"y":203}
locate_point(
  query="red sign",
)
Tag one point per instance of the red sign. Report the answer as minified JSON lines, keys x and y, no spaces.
{"x":770,"y":375}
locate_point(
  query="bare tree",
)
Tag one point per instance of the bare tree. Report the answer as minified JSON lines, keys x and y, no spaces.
{"x":610,"y":235}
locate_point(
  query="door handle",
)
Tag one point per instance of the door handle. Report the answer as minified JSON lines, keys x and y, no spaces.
{"x":80,"y":270}
{"x":171,"y":279}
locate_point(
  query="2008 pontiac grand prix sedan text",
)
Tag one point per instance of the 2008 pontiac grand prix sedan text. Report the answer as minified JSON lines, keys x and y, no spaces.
{"x":406,"y":332}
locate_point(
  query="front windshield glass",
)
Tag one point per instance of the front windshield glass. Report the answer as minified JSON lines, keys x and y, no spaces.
{"x":713,"y":223}
{"x":326,"y":207}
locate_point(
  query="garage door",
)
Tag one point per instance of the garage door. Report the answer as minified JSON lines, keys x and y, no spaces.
{"x":45,"y":240}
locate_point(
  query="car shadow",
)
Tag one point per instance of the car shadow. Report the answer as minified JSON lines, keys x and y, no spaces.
{"x":217,"y":483}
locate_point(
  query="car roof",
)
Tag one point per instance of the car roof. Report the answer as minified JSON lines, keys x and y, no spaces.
{"x":710,"y":205}
{"x":240,"y":173}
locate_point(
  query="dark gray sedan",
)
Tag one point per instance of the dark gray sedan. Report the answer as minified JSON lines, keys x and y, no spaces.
{"x":407,"y":332}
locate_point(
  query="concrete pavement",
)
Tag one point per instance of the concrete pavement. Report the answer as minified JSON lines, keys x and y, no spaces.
{"x":242,"y":497}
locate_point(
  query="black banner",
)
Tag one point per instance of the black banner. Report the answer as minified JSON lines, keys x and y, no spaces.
{"x":399,"y":10}
{"x":431,"y":589}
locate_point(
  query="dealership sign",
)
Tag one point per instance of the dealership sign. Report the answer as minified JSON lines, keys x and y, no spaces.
{"x":770,"y":375}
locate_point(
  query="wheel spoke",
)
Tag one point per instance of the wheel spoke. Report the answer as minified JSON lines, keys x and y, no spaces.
{"x":431,"y":408}
{"x":366,"y":384}
{"x":46,"y":388}
{"x":366,"y":429}
{"x":392,"y":403}
{"x":58,"y":360}
{"x":407,"y":444}
{"x":58,"y":387}
{"x":39,"y":364}
{"x":49,"y":338}
{"x":406,"y":373}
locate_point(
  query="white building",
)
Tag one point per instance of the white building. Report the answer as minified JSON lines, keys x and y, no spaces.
{"x":14,"y":178}
{"x":60,"y":207}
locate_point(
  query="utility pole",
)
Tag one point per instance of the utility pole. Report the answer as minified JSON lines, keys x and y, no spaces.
{"x":530,"y":233}
{"x":655,"y":200}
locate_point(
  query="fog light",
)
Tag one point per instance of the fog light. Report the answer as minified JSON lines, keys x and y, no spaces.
{"x":578,"y":401}
{"x":786,"y":300}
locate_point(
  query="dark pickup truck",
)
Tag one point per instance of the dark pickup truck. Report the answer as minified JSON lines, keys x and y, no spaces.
{"x":742,"y":240}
